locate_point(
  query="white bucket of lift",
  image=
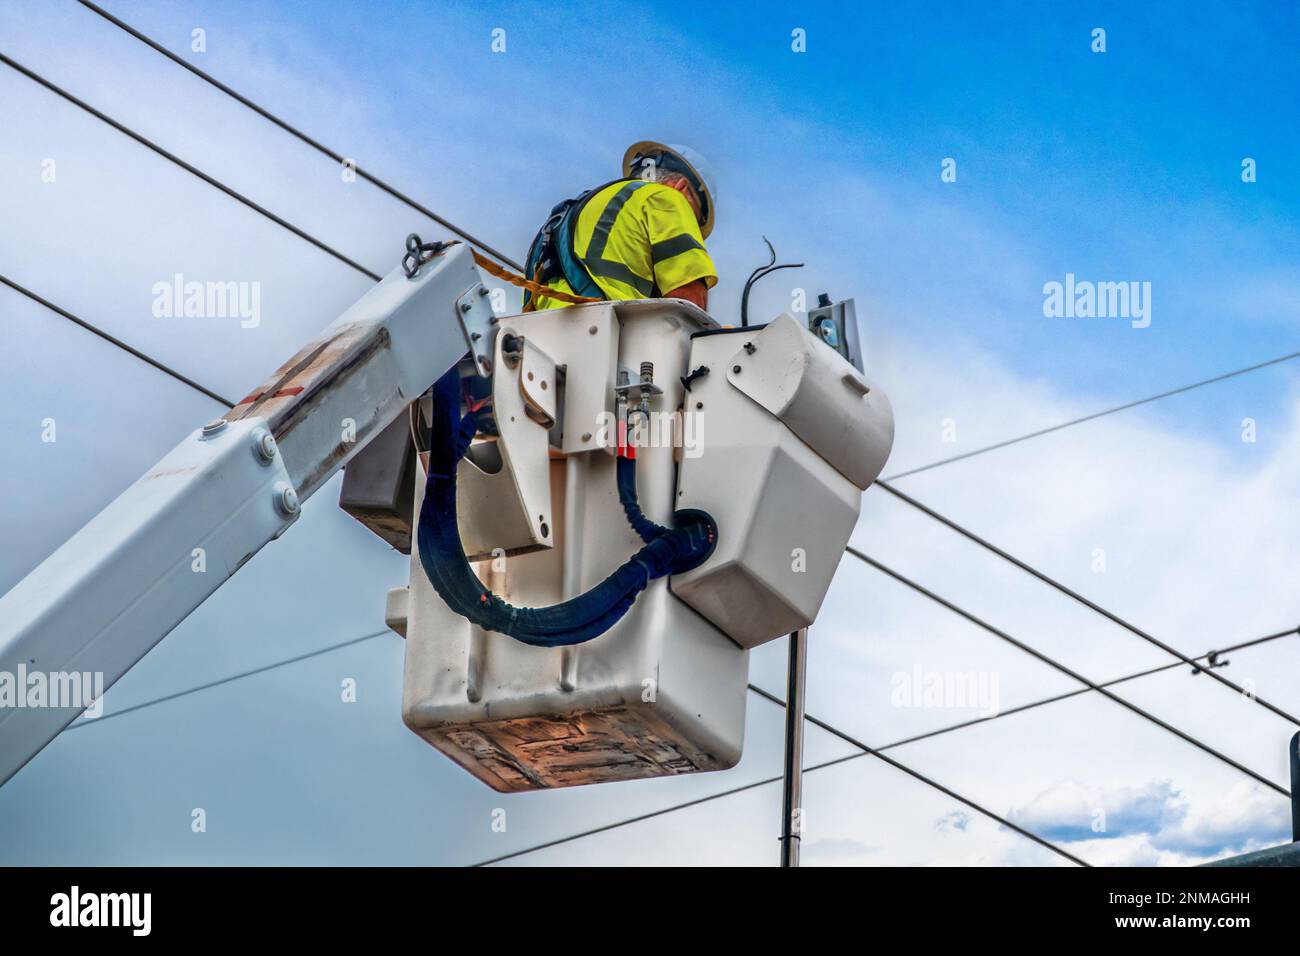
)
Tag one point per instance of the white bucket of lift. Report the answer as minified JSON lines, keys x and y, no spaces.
{"x":778,"y":464}
{"x":795,"y":435}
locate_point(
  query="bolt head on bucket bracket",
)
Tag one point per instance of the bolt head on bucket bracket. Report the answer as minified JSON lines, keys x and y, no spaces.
{"x":478,"y":322}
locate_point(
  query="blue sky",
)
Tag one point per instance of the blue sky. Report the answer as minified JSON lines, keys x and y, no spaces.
{"x":1117,"y":166}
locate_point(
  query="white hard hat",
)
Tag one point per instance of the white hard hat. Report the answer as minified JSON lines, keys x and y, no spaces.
{"x":685,"y":160}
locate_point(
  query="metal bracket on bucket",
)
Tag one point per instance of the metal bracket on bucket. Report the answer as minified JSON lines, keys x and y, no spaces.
{"x":478,"y":322}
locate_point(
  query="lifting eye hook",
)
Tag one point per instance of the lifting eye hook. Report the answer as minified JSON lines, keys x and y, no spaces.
{"x":415,"y":257}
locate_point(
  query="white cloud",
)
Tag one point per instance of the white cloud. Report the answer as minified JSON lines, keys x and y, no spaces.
{"x":1154,"y":824}
{"x":1072,"y":810}
{"x":956,"y":820}
{"x":1247,"y":817}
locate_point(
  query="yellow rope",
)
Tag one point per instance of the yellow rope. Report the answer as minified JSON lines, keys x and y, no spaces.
{"x":536,"y":288}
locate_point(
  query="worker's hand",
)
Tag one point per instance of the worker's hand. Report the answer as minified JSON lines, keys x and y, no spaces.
{"x":695,"y":292}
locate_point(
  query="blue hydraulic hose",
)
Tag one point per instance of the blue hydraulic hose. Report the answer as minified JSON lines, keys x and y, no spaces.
{"x":442,"y":555}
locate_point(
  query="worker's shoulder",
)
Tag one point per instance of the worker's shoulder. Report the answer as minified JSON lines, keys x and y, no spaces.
{"x":599,"y":197}
{"x":641,"y":191}
{"x":660,"y":197}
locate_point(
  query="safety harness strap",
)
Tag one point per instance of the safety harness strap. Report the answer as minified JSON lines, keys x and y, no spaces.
{"x":536,"y":288}
{"x":418,"y":253}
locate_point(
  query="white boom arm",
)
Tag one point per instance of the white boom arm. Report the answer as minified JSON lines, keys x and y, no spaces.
{"x":116,"y":588}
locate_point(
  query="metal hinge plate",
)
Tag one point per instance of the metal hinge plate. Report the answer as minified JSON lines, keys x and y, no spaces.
{"x":478,"y":322}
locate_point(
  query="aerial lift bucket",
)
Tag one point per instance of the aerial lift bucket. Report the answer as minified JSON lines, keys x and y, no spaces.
{"x":766,"y":429}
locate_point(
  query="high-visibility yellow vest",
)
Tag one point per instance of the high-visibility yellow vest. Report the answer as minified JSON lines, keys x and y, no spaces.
{"x":638,"y":240}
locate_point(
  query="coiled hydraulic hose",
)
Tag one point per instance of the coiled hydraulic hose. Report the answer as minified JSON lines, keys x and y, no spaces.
{"x":442,"y":555}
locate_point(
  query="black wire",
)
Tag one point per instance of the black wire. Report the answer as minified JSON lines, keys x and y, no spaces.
{"x":1076,"y":693}
{"x":1091,"y":605}
{"x":1057,"y":665}
{"x":1094,"y":415}
{"x":194,"y":170}
{"x":864,"y":751}
{"x":88,"y":722}
{"x":113,"y":340}
{"x":744,"y":295}
{"x":298,"y":134}
{"x":657,"y":813}
{"x":924,"y":779}
{"x":744,"y":310}
{"x":757,"y":274}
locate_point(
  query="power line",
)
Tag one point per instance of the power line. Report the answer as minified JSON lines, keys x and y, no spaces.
{"x":816,"y":722}
{"x":1087,"y":418}
{"x":1021,"y":708}
{"x":663,"y":811}
{"x":1057,"y":665}
{"x":189,"y":168}
{"x":1091,"y":605}
{"x":864,"y":751}
{"x":226,"y":680}
{"x":113,"y":340}
{"x":883,"y":482}
{"x":298,"y":134}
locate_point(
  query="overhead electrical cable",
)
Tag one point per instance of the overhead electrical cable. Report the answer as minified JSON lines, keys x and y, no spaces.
{"x":299,"y":135}
{"x":113,"y":340}
{"x":1057,"y":665}
{"x":1068,"y":592}
{"x":1093,"y":416}
{"x":847,"y":738}
{"x":91,"y":722}
{"x":188,"y":167}
{"x":1043,"y":702}
{"x":864,"y":751}
{"x":947,"y":729}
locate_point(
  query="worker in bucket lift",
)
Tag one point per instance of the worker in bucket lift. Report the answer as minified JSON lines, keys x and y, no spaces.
{"x":638,"y":237}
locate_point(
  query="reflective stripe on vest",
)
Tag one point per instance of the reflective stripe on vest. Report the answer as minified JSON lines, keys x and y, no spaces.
{"x":607,"y":269}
